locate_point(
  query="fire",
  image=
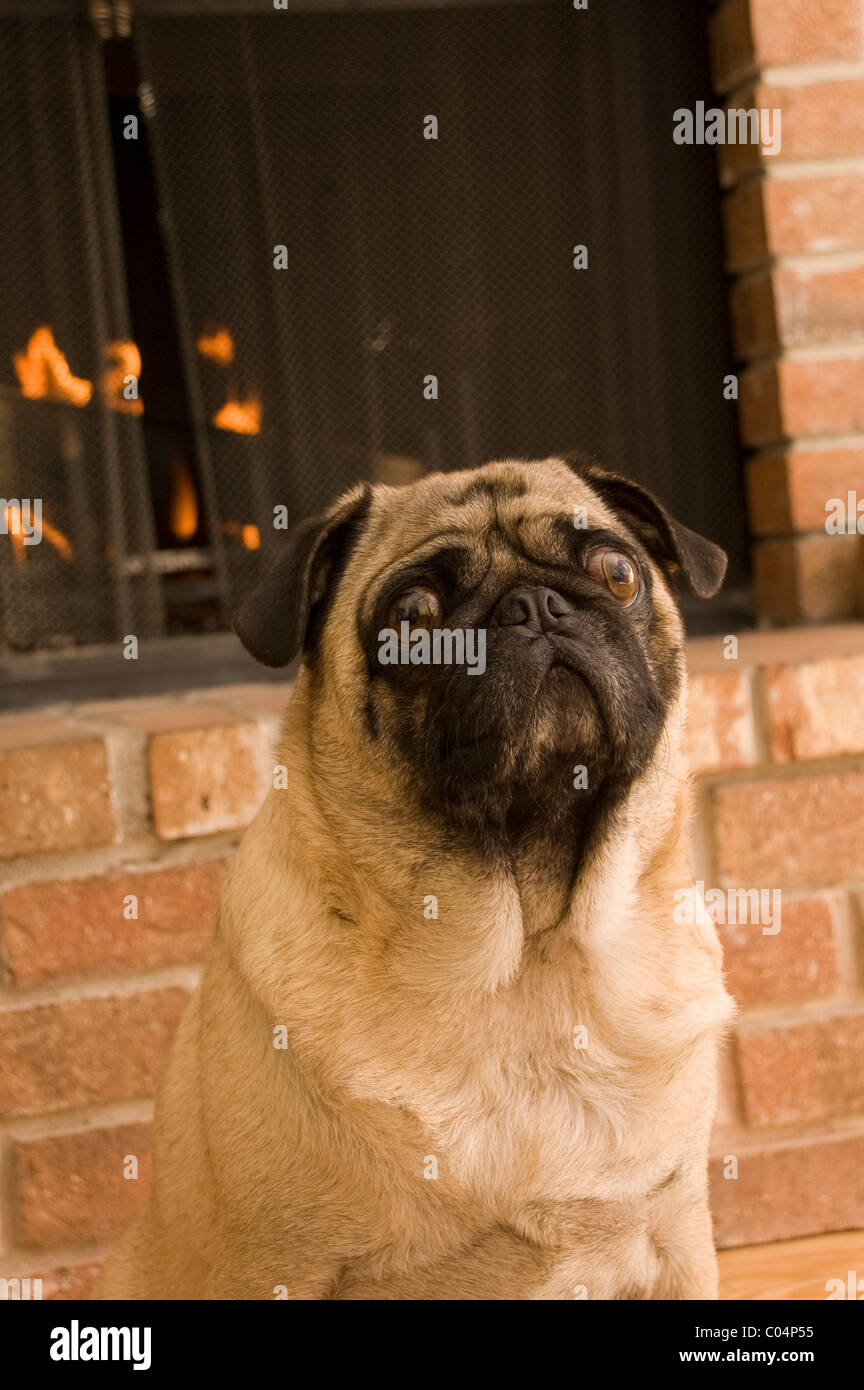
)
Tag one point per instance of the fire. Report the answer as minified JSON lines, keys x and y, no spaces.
{"x":58,"y":540}
{"x":13,"y":527}
{"x":127,"y":362}
{"x":218,"y":346}
{"x":184,"y":503}
{"x":248,"y":533}
{"x":240,"y":417}
{"x":51,"y":533}
{"x":44,"y":372}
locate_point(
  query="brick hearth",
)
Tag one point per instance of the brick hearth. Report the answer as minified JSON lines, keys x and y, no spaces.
{"x":148,"y":798}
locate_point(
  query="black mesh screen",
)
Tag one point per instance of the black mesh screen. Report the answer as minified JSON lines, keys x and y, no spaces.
{"x":405,"y":259}
{"x":408,"y":258}
{"x":63,"y":306}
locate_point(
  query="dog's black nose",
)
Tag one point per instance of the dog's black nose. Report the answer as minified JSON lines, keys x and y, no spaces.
{"x":538,"y":609}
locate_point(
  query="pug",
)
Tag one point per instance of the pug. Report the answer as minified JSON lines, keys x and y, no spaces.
{"x":450,"y":1042}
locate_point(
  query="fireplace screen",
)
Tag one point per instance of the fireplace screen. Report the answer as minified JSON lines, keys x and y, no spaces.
{"x":256,"y":255}
{"x":72,"y":460}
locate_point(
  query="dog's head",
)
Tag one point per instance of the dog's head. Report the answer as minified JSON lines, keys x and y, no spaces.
{"x":505,"y":638}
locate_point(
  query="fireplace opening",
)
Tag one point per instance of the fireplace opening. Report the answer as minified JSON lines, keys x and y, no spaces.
{"x":182,"y":553}
{"x":267,"y":254}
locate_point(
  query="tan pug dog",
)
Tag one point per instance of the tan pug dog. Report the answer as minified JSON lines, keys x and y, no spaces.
{"x":449,"y":1041}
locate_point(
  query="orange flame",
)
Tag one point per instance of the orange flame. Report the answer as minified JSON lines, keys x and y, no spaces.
{"x":184,"y":503}
{"x":58,"y":540}
{"x":240,"y":417}
{"x":127,"y":362}
{"x":44,"y":372}
{"x":218,"y":346}
{"x":51,"y":533}
{"x":248,"y":534}
{"x":13,"y":527}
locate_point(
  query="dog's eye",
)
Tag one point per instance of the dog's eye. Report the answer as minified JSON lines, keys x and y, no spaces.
{"x":417,"y":607}
{"x":617,"y":572}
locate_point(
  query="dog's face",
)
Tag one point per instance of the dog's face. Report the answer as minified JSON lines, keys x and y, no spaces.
{"x":555,"y":581}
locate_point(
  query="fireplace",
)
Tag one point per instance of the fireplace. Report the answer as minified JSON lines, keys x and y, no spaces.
{"x":255,"y":255}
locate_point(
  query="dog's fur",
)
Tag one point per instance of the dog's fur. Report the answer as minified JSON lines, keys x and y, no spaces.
{"x":511,"y":1099}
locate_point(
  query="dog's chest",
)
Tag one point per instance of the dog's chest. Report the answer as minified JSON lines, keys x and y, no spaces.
{"x":576,"y":1094}
{"x":563,"y":1128}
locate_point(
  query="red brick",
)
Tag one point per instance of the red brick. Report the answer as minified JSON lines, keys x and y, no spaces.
{"x":728,"y":1099}
{"x":746,"y":232}
{"x":822,"y":396}
{"x":776,"y":647}
{"x":736,"y":160}
{"x":253,"y":698}
{"x":69,"y":1189}
{"x":159,"y":714}
{"x":807,"y":577}
{"x":816,"y":710}
{"x":759,"y":409}
{"x":792,"y":398}
{"x":71,"y":1283}
{"x":71,"y":927}
{"x":792,"y":831}
{"x":824,"y":120}
{"x":784,"y":31}
{"x":31,"y":728}
{"x":754,"y":322}
{"x":63,"y":1282}
{"x":813,"y":214}
{"x":769,"y":494}
{"x":719,"y":722}
{"x":732,"y":54}
{"x":54,"y":796}
{"x":797,"y":308}
{"x":796,"y":1188}
{"x":802,"y":1072}
{"x":819,"y":304}
{"x":206,"y":779}
{"x":773,"y":33}
{"x":57,"y":1056}
{"x":788,"y":489}
{"x":770,"y":217}
{"x":798,"y":961}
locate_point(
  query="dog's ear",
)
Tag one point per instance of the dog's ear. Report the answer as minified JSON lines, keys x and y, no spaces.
{"x":676,"y":547}
{"x":275,"y":620}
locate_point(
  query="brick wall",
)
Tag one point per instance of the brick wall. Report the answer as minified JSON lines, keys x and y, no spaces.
{"x":116,"y":823}
{"x":144,"y":800}
{"x":795,"y":243}
{"x":777,"y":743}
